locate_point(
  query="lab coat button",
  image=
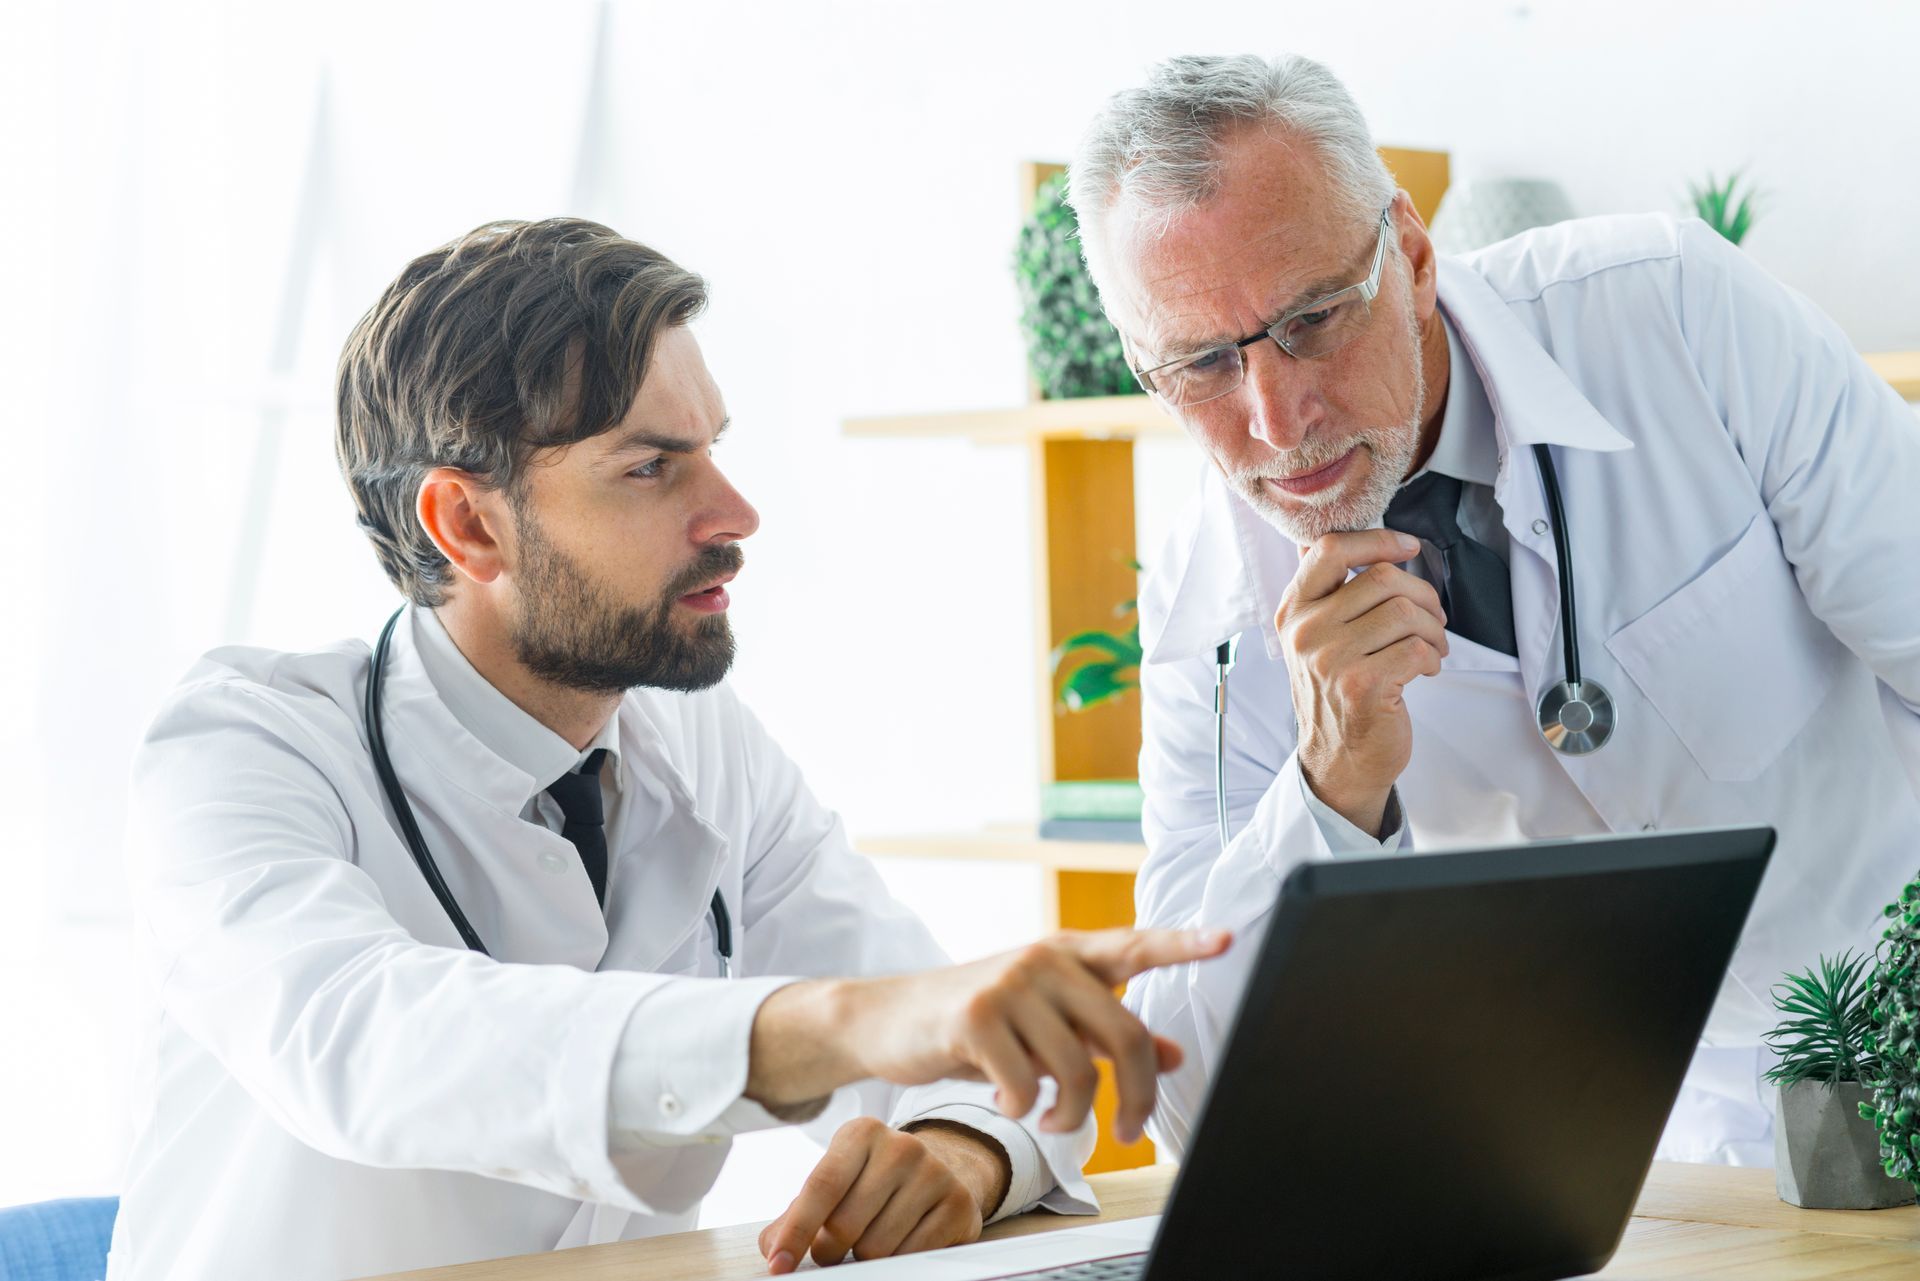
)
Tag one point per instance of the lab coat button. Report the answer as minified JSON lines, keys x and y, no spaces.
{"x":669,"y":1105}
{"x":551,"y":862}
{"x":582,"y":1189}
{"x":1539,"y":527}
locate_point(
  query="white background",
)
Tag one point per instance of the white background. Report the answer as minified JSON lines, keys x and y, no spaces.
{"x":845,"y":175}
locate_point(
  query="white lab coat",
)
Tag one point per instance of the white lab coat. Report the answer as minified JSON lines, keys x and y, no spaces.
{"x":332,"y":1086}
{"x":1739,"y":488}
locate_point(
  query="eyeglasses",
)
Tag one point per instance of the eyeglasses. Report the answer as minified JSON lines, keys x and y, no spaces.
{"x":1324,"y":325}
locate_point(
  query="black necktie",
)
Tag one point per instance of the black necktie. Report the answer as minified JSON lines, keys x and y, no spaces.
{"x":579,"y":799}
{"x":1477,"y":596}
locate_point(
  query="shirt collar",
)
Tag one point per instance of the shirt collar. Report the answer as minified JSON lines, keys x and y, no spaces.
{"x":1467,"y":448}
{"x":500,"y":725}
{"x":1226,"y":566}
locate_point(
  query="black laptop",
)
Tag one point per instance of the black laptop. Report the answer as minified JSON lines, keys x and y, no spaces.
{"x":1444,"y":1066}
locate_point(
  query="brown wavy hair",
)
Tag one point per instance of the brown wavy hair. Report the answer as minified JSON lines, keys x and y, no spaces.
{"x":516,"y":337}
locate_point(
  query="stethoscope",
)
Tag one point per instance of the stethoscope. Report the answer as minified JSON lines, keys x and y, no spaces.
{"x":417,"y":844}
{"x":1576,"y":715}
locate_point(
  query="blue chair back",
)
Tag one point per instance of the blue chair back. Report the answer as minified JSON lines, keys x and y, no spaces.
{"x":57,"y":1240}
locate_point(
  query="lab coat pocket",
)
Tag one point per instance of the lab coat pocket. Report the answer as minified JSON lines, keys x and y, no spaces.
{"x":1734,"y":661}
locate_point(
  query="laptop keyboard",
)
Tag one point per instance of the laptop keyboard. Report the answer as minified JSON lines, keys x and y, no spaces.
{"x":1128,"y":1267}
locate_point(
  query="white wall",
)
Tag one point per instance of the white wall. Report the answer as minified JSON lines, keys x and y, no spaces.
{"x":845,"y":175}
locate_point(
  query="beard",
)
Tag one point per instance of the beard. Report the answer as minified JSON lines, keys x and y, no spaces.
{"x":1306,"y":517}
{"x":569,"y":629}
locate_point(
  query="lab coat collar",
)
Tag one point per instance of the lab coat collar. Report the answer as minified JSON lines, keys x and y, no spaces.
{"x":416,"y":713}
{"x":1229,"y":566}
{"x":670,"y":859}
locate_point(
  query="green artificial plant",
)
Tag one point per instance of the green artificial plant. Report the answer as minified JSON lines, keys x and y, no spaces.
{"x":1116,"y":665}
{"x":1714,"y":202}
{"x":1894,"y":1006}
{"x":1072,"y":349}
{"x":1827,"y":1034}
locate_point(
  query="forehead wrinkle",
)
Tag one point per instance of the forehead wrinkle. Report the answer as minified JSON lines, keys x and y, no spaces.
{"x":1184,"y":304}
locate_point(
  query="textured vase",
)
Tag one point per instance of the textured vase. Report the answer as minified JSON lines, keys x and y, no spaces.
{"x":1826,"y":1156}
{"x":1472,"y":215}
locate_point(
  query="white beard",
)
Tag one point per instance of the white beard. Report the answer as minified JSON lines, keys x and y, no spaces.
{"x":1390,"y":453}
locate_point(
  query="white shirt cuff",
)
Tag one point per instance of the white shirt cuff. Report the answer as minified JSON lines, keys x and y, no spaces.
{"x":1342,"y":836}
{"x":1044,"y":1173}
{"x":680,"y":1070}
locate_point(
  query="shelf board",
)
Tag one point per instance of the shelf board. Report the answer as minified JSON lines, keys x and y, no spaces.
{"x":1088,"y":418}
{"x":1010,"y":844}
{"x":1901,"y":368}
{"x":1133,"y":417}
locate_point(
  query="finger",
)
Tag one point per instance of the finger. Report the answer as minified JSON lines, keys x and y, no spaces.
{"x":1117,"y":955}
{"x":890,"y":1170}
{"x":954,"y":1221}
{"x":1363,"y":592}
{"x":1117,"y":1035}
{"x":1061,"y":1053}
{"x":909,"y":1204}
{"x":1404,"y":660}
{"x":1326,"y":561}
{"x":1004,"y":1061}
{"x":793,"y":1232}
{"x":1168,"y":1054}
{"x":1394,"y":620}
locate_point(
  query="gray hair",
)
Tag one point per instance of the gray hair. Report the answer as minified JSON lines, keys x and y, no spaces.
{"x":1159,"y":145}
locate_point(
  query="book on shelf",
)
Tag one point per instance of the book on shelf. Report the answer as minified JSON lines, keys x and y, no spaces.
{"x":1115,"y":800}
{"x":1091,"y":829}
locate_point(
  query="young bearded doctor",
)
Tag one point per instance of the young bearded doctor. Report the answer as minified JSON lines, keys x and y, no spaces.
{"x":1620,"y":413}
{"x":440,"y":934}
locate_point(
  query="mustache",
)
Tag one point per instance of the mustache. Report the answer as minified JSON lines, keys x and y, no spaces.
{"x":1310,"y":456}
{"x":709,"y":565}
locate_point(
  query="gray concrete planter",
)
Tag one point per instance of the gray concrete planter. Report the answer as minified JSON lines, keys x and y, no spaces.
{"x":1826,"y":1156}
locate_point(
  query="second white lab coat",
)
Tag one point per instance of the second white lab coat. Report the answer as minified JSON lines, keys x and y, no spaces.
{"x":331,"y":1085}
{"x":1739,"y":488}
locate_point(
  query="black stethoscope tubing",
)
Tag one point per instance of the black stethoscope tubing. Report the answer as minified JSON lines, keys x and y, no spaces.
{"x":1563,"y":555}
{"x":417,"y":844}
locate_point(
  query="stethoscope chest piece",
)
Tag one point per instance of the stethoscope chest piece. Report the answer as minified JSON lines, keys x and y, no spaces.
{"x":1576,"y":718}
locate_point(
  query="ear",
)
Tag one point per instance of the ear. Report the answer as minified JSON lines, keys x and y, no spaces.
{"x":1417,"y":248}
{"x":466,"y":521}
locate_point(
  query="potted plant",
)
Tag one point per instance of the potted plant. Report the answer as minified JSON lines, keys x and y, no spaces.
{"x":1893,"y":1006}
{"x":1717,"y":205}
{"x":1826,"y":1153}
{"x":1072,"y":349}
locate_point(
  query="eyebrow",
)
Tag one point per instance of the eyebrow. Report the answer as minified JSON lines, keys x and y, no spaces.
{"x":1315,"y":289}
{"x":646,"y":438}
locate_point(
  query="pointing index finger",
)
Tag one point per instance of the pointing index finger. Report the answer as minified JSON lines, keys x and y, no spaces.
{"x":1325,"y":562}
{"x":1118,"y":955}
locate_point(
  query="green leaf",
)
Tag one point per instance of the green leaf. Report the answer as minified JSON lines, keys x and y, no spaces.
{"x":1124,"y":650}
{"x":1094,"y":683}
{"x":1716,"y":205}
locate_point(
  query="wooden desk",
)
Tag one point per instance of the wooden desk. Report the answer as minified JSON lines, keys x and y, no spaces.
{"x":1692,"y":1221}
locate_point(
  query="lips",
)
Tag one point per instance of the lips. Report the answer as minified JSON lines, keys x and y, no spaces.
{"x":1312,"y":482}
{"x":713,"y":586}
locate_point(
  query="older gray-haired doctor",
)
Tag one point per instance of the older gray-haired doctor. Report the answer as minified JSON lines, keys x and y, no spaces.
{"x":1379,"y":527}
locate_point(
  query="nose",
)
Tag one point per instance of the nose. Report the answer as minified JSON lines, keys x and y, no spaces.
{"x":726,"y":516}
{"x":1281,"y":404}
